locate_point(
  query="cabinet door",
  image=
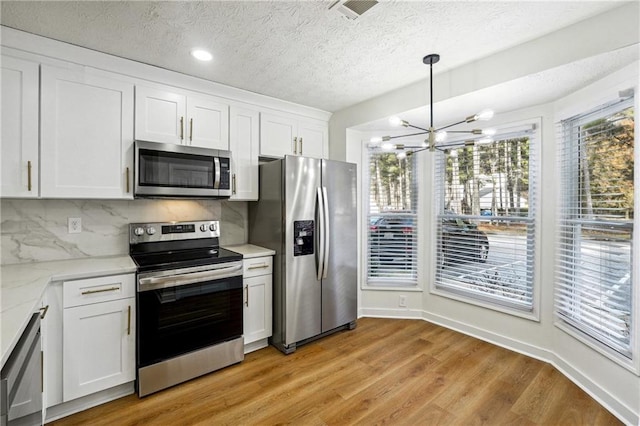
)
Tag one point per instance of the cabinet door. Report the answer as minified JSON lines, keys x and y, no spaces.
{"x":160,"y":115}
{"x":257,"y":309}
{"x":208,"y":123}
{"x":313,"y":139}
{"x":276,"y":135}
{"x":19,"y":141}
{"x":244,"y":145}
{"x":87,"y":134}
{"x":99,"y":345}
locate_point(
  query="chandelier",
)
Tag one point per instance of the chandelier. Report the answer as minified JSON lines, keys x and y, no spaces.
{"x":435,"y":135}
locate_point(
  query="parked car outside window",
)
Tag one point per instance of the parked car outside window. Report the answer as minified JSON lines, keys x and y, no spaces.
{"x":462,"y":241}
{"x":392,"y":240}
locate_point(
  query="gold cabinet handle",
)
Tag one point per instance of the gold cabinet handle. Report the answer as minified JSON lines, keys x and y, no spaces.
{"x":247,"y":300}
{"x":43,"y":312}
{"x":260,"y":266}
{"x":295,"y":145}
{"x":128,"y":182}
{"x":181,"y":129}
{"x":300,"y":146}
{"x":129,"y":321}
{"x":29,"y":175}
{"x":233,"y":183}
{"x":102,"y":290}
{"x":190,"y":130}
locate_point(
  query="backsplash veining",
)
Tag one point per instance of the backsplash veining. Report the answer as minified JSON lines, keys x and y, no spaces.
{"x":37,"y":230}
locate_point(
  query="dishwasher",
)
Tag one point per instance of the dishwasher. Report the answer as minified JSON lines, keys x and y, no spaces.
{"x":21,"y":380}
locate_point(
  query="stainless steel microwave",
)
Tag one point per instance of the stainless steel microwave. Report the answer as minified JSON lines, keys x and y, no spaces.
{"x":179,"y":171}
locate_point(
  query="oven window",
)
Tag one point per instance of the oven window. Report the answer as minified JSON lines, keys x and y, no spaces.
{"x":172,"y":169}
{"x":174,"y":321}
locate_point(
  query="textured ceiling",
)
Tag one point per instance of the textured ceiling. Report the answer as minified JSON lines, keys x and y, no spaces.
{"x":299,"y":50}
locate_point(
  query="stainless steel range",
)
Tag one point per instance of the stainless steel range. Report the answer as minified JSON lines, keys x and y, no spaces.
{"x":189,"y":302}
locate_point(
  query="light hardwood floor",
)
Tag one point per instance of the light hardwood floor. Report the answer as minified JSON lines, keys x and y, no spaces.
{"x":400,"y":372}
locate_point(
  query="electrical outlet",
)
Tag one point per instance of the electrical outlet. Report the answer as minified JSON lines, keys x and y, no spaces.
{"x":75,"y":225}
{"x":402,"y":301}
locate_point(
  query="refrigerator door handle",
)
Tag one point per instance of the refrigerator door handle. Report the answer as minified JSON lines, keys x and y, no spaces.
{"x":327,"y":232}
{"x":321,"y":236}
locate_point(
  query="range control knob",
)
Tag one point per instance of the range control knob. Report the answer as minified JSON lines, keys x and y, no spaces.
{"x":151,"y":230}
{"x":139,"y":231}
{"x":203,"y":228}
{"x":213,"y":227}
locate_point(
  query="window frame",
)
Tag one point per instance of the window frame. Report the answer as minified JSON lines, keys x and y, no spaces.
{"x":535,"y":153}
{"x":632,"y":361}
{"x":417,"y":175}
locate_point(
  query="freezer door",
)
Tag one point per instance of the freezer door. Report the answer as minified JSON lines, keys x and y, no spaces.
{"x":339,"y":288}
{"x":302,"y":287}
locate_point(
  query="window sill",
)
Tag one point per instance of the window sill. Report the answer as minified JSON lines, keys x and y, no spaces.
{"x":531,"y":316}
{"x":593,"y":344}
{"x":406,"y":288}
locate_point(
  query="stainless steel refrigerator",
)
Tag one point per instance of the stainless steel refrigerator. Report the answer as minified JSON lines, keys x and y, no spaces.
{"x":307,"y":214}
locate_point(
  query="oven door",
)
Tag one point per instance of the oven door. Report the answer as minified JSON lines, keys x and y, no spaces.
{"x":183,"y":311}
{"x":168,"y":170}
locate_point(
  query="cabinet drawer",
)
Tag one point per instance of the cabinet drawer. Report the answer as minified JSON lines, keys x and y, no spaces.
{"x":95,"y":290}
{"x":257,"y":266}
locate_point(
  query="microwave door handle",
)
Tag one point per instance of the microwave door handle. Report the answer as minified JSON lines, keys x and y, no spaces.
{"x":320,"y":237}
{"x":216,"y":165}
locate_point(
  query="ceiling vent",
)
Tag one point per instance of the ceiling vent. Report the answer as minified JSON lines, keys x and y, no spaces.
{"x":352,"y":9}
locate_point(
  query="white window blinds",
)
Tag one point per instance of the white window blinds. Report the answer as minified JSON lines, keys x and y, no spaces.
{"x":594,"y":258}
{"x":485,"y":227}
{"x":392,"y":220}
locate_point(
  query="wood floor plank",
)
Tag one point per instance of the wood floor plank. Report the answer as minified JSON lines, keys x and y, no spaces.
{"x":400,"y":372}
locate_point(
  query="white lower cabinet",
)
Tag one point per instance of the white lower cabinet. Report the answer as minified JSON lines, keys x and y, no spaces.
{"x":99,"y":334}
{"x":258,"y":283}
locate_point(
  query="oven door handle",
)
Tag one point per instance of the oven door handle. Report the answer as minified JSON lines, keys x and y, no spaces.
{"x":155,"y":283}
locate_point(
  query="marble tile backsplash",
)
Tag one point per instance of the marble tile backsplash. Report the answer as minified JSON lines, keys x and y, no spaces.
{"x":37,"y":230}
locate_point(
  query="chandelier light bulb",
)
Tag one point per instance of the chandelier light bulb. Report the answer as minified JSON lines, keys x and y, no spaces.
{"x":489,"y":132}
{"x":375,"y":139}
{"x":441,"y":136}
{"x":387,"y":146}
{"x":401,"y":155}
{"x":484,"y":141}
{"x":395,"y":121}
{"x":485,"y":115}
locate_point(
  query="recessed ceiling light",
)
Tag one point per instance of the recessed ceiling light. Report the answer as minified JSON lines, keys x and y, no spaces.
{"x":201,"y":54}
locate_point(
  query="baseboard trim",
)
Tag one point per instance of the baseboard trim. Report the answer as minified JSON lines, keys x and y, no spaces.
{"x":254,"y":346}
{"x":392,"y":313}
{"x":84,"y":403}
{"x":618,"y":409}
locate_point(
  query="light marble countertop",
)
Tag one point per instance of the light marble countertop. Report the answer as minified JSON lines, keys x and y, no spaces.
{"x":249,"y":250}
{"x":23,"y":285}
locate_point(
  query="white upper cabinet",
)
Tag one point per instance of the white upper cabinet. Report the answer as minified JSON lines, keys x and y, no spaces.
{"x":86,"y":134}
{"x":244,"y":144}
{"x":282,"y":135}
{"x":19,"y":103}
{"x":313,"y":139}
{"x":170,"y":117}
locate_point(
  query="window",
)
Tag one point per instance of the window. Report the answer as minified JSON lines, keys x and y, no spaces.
{"x":485,"y":225}
{"x":392,"y":219}
{"x":594,"y":279}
